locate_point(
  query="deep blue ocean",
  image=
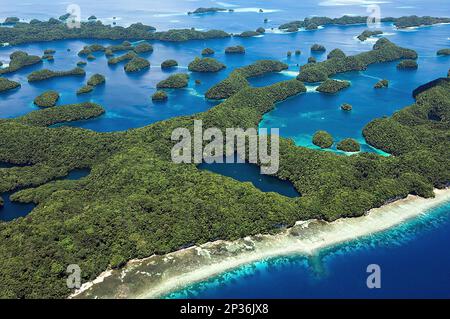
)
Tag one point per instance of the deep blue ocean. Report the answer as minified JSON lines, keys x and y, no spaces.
{"x":414,"y":258}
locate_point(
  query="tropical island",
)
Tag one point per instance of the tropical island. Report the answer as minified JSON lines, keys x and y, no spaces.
{"x":443,"y":52}
{"x":207,"y":51}
{"x":381,"y":84}
{"x":206,"y":65}
{"x":136,"y":64}
{"x":149,"y":149}
{"x":46,"y":74}
{"x":331,"y":86}
{"x":348,"y":145}
{"x":407,"y":64}
{"x":6,"y":85}
{"x":175,"y":81}
{"x":368,"y":33}
{"x":382,"y":51}
{"x":323,"y":139}
{"x":159,"y":96}
{"x":235,"y":49}
{"x":237,"y":80}
{"x":55,"y":29}
{"x":47,"y":99}
{"x":166,"y":64}
{"x":207,"y":10}
{"x":401,"y":22}
{"x":19,"y":60}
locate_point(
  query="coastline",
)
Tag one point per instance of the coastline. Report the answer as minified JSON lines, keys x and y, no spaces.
{"x":156,"y":276}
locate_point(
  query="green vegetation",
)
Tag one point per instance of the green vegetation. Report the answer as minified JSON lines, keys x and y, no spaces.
{"x":443,"y":52}
{"x":136,"y":64}
{"x":346,"y":107}
{"x":348,"y":145}
{"x":336,"y":54}
{"x":332,"y":86}
{"x":402,"y":22}
{"x":92,"y":17}
{"x":96,"y":79}
{"x":381,"y":84}
{"x":125,"y":57}
{"x":407,"y":64}
{"x":6,"y":85}
{"x":11,"y":20}
{"x":206,"y":10}
{"x":143,"y":48}
{"x":415,"y":21}
{"x":368,"y":33}
{"x":318,"y":48}
{"x":93,"y":81}
{"x":248,"y":34}
{"x":136,"y":202}
{"x":124,"y":46}
{"x":383,"y":51}
{"x":159,"y":96}
{"x":91,"y":57}
{"x":323,"y":139}
{"x":237,"y":80}
{"x":81,"y":63}
{"x":169,"y":64}
{"x":207,"y":51}
{"x":47,"y":99}
{"x":85,"y":89}
{"x":205,"y":65}
{"x":312,"y":59}
{"x":289,"y":54}
{"x":236,"y":49}
{"x":49,"y":51}
{"x":175,"y":81}
{"x":54,"y":29}
{"x":19,"y":60}
{"x":298,"y":52}
{"x":46,"y":74}
{"x":48,"y":57}
{"x":61,"y":114}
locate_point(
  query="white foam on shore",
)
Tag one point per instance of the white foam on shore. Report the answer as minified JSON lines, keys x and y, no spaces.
{"x":339,"y":231}
{"x":289,"y":73}
{"x":195,"y":264}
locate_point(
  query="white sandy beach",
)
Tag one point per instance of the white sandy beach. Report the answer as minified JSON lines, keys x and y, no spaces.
{"x":156,"y":276}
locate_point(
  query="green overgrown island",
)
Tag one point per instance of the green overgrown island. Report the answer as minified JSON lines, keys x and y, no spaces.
{"x":402,"y":22}
{"x":348,"y":145}
{"x":54,"y":29}
{"x":239,"y":49}
{"x":237,"y":80}
{"x":136,"y":64}
{"x":47,"y":99}
{"x":175,"y":81}
{"x":169,"y":64}
{"x":383,"y":51}
{"x":331,"y":86}
{"x":94,"y":80}
{"x":6,"y":85}
{"x":159,"y":96}
{"x":206,"y":65}
{"x":368,"y":33}
{"x":46,"y":74}
{"x":207,"y":51}
{"x":381,"y":84}
{"x":19,"y":60}
{"x":323,"y":139}
{"x":122,"y":209}
{"x":443,"y":52}
{"x":407,"y":64}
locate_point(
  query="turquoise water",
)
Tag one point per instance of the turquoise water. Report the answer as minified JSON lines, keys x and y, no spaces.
{"x":413,"y":257}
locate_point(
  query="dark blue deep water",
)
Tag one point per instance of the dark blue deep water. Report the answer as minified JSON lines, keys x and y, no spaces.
{"x":414,"y":261}
{"x":414,"y":257}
